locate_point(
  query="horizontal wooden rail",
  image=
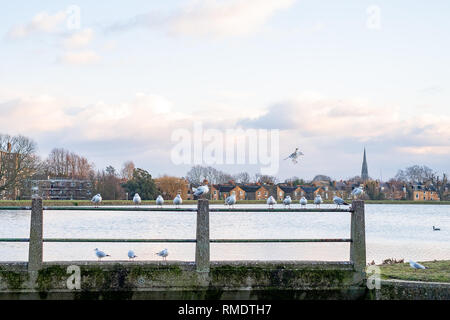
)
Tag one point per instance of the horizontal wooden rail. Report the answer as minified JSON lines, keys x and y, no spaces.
{"x":156,"y":209}
{"x":175,"y":240}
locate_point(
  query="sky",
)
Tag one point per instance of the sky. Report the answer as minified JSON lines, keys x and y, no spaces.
{"x":113,"y":80}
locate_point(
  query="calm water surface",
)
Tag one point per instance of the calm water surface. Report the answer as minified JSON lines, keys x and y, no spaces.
{"x":392,"y":231}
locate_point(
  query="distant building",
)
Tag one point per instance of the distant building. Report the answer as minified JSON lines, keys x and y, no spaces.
{"x":424,"y":193}
{"x":364,"y":169}
{"x":62,"y":189}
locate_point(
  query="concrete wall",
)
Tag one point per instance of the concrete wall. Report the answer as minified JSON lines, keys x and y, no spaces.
{"x":180,"y":280}
{"x":411,"y":290}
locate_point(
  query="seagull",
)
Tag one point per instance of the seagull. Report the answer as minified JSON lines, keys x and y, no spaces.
{"x":287,"y":201}
{"x":164,"y":253}
{"x":201,"y":191}
{"x":339,"y":201}
{"x":177,"y":201}
{"x":131,"y":254}
{"x":318,"y":200}
{"x":100,"y":254}
{"x":97,"y":199}
{"x":160,"y":201}
{"x":303,"y":201}
{"x":293,"y":156}
{"x":357,"y":191}
{"x":436,"y":228}
{"x":231,"y":200}
{"x":137,"y":199}
{"x":416,"y":265}
{"x":271,"y":201}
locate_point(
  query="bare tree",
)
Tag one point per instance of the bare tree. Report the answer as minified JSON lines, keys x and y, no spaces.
{"x":63,"y":163}
{"x":18,"y":160}
{"x":415,"y":173}
{"x":242,"y":177}
{"x":127,"y":170}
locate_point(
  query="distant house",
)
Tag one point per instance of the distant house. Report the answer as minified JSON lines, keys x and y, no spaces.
{"x":424,"y":193}
{"x":292,"y":191}
{"x":255,"y":192}
{"x":309,"y":192}
{"x":222,"y":191}
{"x":62,"y":189}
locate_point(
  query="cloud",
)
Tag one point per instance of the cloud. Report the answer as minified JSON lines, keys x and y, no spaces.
{"x":79,"y":39}
{"x":208,"y":18}
{"x":42,"y":22}
{"x":81,"y":57}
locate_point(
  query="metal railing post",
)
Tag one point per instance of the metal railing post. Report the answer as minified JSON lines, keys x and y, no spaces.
{"x":358,"y":236}
{"x":202,"y":244}
{"x":35,"y":248}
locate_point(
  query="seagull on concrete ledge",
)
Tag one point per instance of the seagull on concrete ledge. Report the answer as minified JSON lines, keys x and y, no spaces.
{"x":287,"y":201}
{"x":177,"y":201}
{"x":100,"y":254}
{"x":339,"y":201}
{"x":416,"y":265}
{"x":318,"y":200}
{"x":131,"y":254}
{"x":164,"y":253}
{"x":231,"y":200}
{"x":137,"y":199}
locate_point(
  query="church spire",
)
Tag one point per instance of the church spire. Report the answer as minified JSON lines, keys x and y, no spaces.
{"x":364,"y":170}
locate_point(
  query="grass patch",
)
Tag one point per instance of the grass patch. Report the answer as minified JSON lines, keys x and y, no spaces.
{"x":438,"y":271}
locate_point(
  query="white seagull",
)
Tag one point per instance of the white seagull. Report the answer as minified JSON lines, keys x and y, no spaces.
{"x":318,"y":200}
{"x":131,"y":254}
{"x":293,"y":156}
{"x":159,"y":201}
{"x":303,"y":201}
{"x":137,"y":199}
{"x":164,"y":253}
{"x":416,"y":265}
{"x":339,"y":201}
{"x":231,"y":200}
{"x":177,"y":201}
{"x":271,"y":201}
{"x":100,"y":254}
{"x":201,"y":191}
{"x":287,"y":201}
{"x":357,"y":191}
{"x":97,"y":199}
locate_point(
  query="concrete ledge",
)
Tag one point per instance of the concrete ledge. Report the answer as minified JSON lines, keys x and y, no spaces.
{"x":412,"y":290}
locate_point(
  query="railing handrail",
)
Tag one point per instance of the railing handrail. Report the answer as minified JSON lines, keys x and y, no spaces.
{"x":202,"y":240}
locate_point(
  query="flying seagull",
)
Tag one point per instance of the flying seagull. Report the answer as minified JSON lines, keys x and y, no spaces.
{"x":159,"y":201}
{"x":231,"y":200}
{"x":131,"y":254}
{"x":294,"y":156}
{"x":177,"y":201}
{"x":201,"y":191}
{"x":164,"y":253}
{"x":303,"y":201}
{"x":100,"y":254}
{"x":137,"y":199}
{"x":271,"y":201}
{"x":96,"y":200}
{"x":318,"y":200}
{"x":416,"y":265}
{"x":339,"y":201}
{"x":287,"y":201}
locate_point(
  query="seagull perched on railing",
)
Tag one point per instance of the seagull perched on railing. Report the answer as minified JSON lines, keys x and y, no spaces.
{"x":177,"y":201}
{"x":97,"y":199}
{"x":287,"y":201}
{"x":164,"y":253}
{"x":303,"y":202}
{"x":294,"y":156}
{"x":100,"y":254}
{"x":137,"y":199}
{"x":318,"y":200}
{"x":416,"y":265}
{"x":231,"y":200}
{"x":201,"y":191}
{"x":339,"y":201}
{"x":159,"y":201}
{"x":357,"y":191}
{"x":131,"y":254}
{"x":271,"y":201}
